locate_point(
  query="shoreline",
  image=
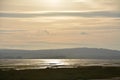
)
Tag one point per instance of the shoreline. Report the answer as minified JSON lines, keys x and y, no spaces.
{"x":79,"y":73}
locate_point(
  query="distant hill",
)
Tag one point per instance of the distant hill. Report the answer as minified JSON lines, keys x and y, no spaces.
{"x":73,"y":53}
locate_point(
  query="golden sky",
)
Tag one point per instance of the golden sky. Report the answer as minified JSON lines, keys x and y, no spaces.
{"x":51,"y":24}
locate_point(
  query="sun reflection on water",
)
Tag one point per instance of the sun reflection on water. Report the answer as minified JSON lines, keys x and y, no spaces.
{"x":20,"y":64}
{"x":55,"y":62}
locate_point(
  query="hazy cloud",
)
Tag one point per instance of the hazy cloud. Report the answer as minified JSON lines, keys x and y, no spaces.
{"x":43,"y":24}
{"x":84,"y":33}
{"x":70,"y":13}
{"x":10,"y":31}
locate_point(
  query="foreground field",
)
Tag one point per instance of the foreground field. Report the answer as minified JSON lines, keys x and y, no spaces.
{"x":81,"y":73}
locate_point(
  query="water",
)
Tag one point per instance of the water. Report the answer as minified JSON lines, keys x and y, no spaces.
{"x":20,"y":64}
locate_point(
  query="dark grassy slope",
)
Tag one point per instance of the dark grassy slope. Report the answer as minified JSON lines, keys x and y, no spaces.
{"x":83,"y":73}
{"x":73,"y":53}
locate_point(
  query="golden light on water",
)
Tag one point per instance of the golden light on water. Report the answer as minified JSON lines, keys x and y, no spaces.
{"x":55,"y":61}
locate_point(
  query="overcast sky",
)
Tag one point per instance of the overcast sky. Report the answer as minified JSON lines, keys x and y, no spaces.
{"x":51,"y":24}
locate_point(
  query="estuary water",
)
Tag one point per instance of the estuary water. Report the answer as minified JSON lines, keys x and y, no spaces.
{"x":21,"y":64}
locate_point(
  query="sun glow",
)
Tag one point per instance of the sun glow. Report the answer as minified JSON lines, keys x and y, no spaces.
{"x":81,"y":0}
{"x":52,"y":2}
{"x":84,"y":1}
{"x":55,"y":62}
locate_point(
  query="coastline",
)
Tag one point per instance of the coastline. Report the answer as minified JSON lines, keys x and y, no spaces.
{"x":80,"y":73}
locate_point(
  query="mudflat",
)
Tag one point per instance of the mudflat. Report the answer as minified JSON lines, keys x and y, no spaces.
{"x":80,"y":73}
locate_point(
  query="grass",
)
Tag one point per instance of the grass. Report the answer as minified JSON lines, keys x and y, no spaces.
{"x":84,"y":73}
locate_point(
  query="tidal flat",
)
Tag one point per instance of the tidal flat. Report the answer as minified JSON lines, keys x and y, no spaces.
{"x":80,"y":73}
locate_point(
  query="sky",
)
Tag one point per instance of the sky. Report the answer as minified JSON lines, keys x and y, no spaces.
{"x":55,"y":24}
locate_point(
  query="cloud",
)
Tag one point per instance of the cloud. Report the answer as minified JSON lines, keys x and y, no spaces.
{"x":63,"y":13}
{"x":10,"y":31}
{"x":46,"y":32}
{"x":84,"y":33}
{"x":54,"y":43}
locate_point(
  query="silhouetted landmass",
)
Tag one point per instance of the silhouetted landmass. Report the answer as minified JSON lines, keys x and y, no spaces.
{"x":81,"y":73}
{"x":73,"y":53}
